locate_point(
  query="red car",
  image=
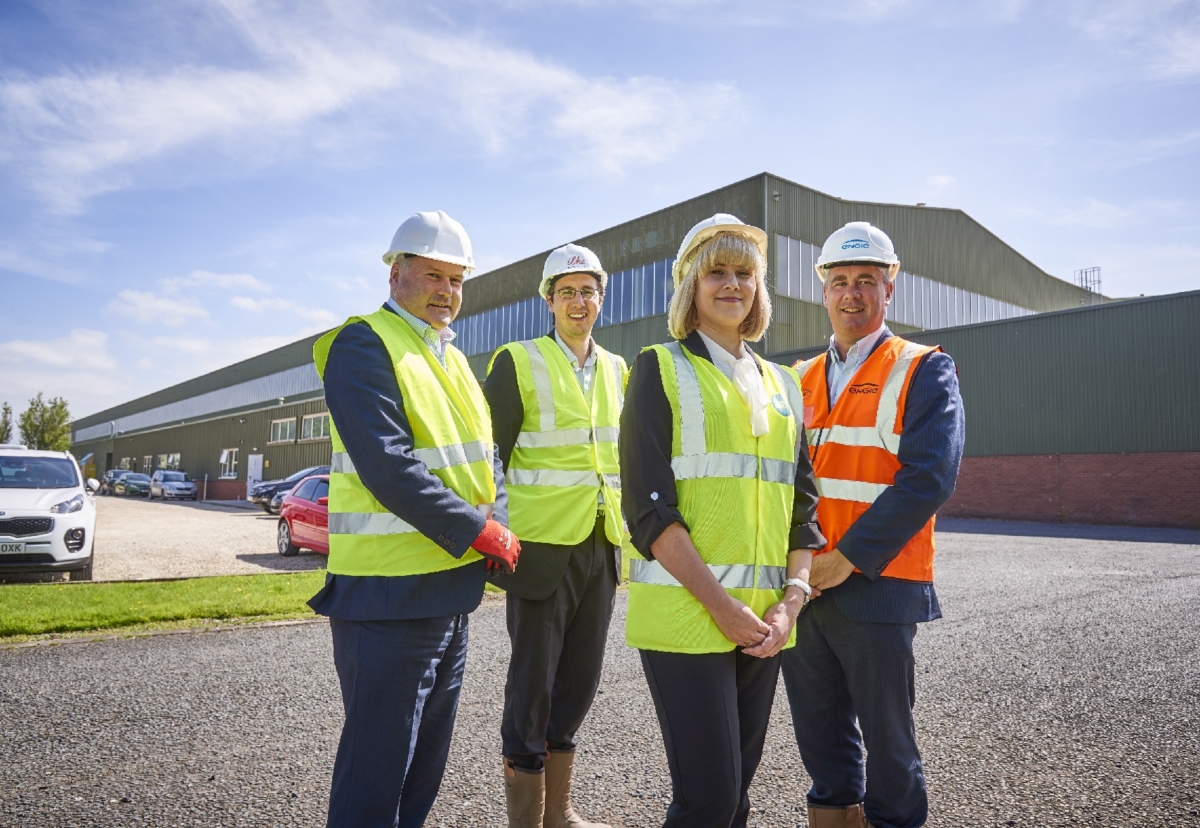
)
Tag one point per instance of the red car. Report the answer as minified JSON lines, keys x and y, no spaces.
{"x":304,"y":517}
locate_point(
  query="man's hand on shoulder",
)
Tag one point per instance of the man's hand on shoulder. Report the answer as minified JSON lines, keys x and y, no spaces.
{"x":498,"y":545}
{"x":829,"y":569}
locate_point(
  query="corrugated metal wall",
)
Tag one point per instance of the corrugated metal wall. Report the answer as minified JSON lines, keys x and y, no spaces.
{"x":942,"y":244}
{"x":796,"y":324}
{"x":638,"y":242}
{"x":1123,"y":377}
{"x":201,"y":443}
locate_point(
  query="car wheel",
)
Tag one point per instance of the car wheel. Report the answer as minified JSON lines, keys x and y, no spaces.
{"x":284,"y":544}
{"x":84,"y":574}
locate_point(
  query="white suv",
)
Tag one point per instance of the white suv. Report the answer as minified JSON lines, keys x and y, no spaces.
{"x":47,"y":514}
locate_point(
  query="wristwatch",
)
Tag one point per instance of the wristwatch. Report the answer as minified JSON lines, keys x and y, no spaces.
{"x":796,"y":582}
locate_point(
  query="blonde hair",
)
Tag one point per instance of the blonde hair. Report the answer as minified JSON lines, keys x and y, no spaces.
{"x":732,"y":250}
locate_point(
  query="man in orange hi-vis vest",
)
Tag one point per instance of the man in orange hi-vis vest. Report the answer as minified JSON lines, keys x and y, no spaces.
{"x":885,"y":430}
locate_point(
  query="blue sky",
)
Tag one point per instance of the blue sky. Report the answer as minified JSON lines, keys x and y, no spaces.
{"x":187,"y":184}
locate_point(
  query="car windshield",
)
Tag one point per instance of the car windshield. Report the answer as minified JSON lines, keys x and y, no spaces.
{"x":37,"y":473}
{"x":136,"y":478}
{"x":175,"y":477}
{"x":300,"y":475}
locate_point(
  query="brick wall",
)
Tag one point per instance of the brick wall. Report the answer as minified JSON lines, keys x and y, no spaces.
{"x":1158,"y":489}
{"x":223,"y":489}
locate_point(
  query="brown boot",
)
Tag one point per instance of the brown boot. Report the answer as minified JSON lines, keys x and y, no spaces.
{"x":852,"y":816}
{"x":525,"y":796}
{"x":559,"y":813}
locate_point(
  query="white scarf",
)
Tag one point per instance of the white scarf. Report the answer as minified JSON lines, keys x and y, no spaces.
{"x":744,"y":374}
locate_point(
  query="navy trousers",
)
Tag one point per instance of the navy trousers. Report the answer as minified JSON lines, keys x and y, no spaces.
{"x":713,"y":709}
{"x":841,"y":670}
{"x":400,"y":684}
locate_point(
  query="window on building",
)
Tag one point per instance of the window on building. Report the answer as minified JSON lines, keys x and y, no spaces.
{"x":283,"y":431}
{"x":174,"y":461}
{"x":315,"y":427}
{"x":229,"y":462}
{"x":127,"y":463}
{"x":148,"y":464}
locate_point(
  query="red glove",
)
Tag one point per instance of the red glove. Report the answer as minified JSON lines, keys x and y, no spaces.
{"x":498,"y":545}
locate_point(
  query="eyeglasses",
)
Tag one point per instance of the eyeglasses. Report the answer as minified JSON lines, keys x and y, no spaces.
{"x":568,"y":294}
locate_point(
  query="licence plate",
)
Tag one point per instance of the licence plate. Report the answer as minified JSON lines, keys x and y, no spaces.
{"x":10,"y":547}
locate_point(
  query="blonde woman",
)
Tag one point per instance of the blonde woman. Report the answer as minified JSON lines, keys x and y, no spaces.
{"x":718,"y":492}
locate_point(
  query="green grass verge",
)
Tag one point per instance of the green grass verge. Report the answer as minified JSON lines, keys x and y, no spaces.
{"x":30,"y":610}
{"x":37,"y":609}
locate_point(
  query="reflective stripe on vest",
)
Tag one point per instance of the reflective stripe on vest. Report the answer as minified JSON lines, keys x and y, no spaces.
{"x":696,"y":462}
{"x":883,"y":434}
{"x":367,"y":523}
{"x":452,"y":437}
{"x":735,"y":493}
{"x":844,"y":447}
{"x":730,"y":576}
{"x":579,"y":458}
{"x":441,"y":457}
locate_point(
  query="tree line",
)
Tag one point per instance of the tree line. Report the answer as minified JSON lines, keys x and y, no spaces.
{"x":45,"y":424}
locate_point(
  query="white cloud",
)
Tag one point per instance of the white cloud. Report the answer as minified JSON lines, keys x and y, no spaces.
{"x":151,"y":308}
{"x":81,"y":133}
{"x":77,"y":367}
{"x":82,"y":349}
{"x":939,"y":182}
{"x":286,"y":306}
{"x":216,"y":281}
{"x":1094,"y":213}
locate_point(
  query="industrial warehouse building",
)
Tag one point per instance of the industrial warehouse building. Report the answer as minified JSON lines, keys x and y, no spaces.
{"x":1074,"y":411}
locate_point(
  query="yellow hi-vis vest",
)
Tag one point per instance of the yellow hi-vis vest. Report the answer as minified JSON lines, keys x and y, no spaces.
{"x":566,"y":452}
{"x":735,"y":493}
{"x":452,"y":436}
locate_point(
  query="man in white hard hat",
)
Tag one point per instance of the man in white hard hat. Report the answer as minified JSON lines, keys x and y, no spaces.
{"x":885,"y":430}
{"x":556,"y":408}
{"x":416,"y":505}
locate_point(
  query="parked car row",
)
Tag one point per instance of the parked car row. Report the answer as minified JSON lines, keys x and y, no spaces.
{"x":47,"y":513}
{"x":165,"y":484}
{"x":269,"y":494}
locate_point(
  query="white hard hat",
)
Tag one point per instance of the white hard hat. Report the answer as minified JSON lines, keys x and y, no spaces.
{"x":571,"y":258}
{"x":434,"y":236}
{"x":705,"y":230}
{"x":858,"y":241}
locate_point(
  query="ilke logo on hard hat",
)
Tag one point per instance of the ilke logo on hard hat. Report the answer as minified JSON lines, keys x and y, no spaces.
{"x":576,"y":261}
{"x":856,"y":244}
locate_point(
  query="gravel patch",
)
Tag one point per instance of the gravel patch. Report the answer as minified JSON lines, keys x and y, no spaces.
{"x":1061,"y":689}
{"x":137,"y":538}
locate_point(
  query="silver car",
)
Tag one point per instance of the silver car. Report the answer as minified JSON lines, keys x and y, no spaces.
{"x":172,"y":485}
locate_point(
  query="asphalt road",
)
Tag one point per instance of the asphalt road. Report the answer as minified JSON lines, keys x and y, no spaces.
{"x":1061,"y":689}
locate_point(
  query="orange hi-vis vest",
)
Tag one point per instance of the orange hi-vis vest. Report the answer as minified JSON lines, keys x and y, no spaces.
{"x":854,"y":446}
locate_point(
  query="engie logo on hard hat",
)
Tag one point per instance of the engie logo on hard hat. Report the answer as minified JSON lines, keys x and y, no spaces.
{"x":576,"y":261}
{"x":857,"y":244}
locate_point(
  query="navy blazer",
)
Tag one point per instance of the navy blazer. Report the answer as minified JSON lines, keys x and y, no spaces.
{"x":931,"y":446}
{"x":365,"y":403}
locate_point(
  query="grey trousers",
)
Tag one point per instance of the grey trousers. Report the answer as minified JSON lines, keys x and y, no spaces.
{"x":557,"y":654}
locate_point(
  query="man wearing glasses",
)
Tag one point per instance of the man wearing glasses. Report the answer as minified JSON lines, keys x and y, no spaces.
{"x":556,"y":408}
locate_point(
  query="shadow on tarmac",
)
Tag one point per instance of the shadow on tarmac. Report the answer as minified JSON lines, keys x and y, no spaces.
{"x":1029,"y":529}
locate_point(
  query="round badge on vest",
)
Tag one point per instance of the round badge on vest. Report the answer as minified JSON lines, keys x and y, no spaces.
{"x":781,"y":405}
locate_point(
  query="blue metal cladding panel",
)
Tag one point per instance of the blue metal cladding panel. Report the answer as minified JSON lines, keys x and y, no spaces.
{"x":1121,"y":377}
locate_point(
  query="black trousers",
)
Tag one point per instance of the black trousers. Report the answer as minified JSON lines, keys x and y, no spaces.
{"x":557,"y":654}
{"x":842,"y":671}
{"x":713,"y":709}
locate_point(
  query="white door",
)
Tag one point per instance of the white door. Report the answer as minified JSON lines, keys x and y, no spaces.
{"x":253,"y":472}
